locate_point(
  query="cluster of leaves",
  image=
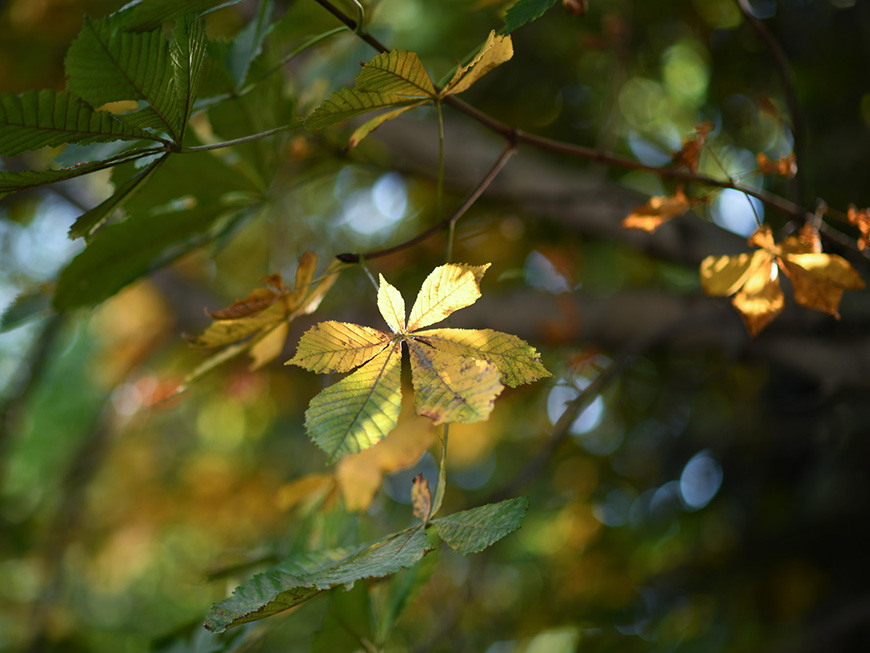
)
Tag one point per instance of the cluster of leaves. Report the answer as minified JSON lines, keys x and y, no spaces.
{"x":818,"y":280}
{"x":457,"y":373}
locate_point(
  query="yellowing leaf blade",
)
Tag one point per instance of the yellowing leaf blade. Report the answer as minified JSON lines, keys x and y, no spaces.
{"x":447,"y":289}
{"x":452,"y":388}
{"x":658,"y":210}
{"x":495,"y":51}
{"x":516,"y":360}
{"x":225,"y":332}
{"x":268,"y":347}
{"x":722,"y":276}
{"x":338,"y":346}
{"x":760,"y":300}
{"x":818,"y":280}
{"x":361,"y":409}
{"x":391,"y":304}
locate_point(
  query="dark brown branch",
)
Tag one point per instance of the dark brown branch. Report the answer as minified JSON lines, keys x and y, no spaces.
{"x":788,"y":81}
{"x":351,"y":23}
{"x":506,"y":154}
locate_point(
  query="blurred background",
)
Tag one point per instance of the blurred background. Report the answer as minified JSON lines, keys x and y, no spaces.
{"x":714,"y":495}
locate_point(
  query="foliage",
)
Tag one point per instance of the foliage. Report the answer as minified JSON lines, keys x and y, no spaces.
{"x":609,"y":159}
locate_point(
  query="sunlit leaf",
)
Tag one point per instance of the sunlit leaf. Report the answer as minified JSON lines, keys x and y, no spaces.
{"x":34,"y":119}
{"x":297,"y":579}
{"x":760,"y":299}
{"x":391,"y":305}
{"x":338,"y":347}
{"x":495,"y":51}
{"x":818,"y":280}
{"x":473,"y":530}
{"x":105,"y":64}
{"x":722,"y":276}
{"x":516,"y":360}
{"x":448,"y":288}
{"x":390,"y":79}
{"x":359,"y":410}
{"x":452,"y":388}
{"x":650,"y":215}
{"x":525,"y":11}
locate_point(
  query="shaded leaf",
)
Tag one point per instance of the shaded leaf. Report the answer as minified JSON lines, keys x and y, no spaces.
{"x":121,"y":253}
{"x":105,"y":64}
{"x":187,"y":53}
{"x":89,"y":221}
{"x":421,"y":499}
{"x":338,"y":347}
{"x":144,"y":15}
{"x":257,"y":301}
{"x":269,"y":345}
{"x":650,"y":215}
{"x":525,"y":11}
{"x":451,"y":388}
{"x":359,"y":410}
{"x":516,"y":360}
{"x":368,"y":127}
{"x":861,"y":219}
{"x":690,"y":154}
{"x":448,"y":288}
{"x":26,"y":307}
{"x":224,"y":332}
{"x":473,"y":530}
{"x":391,"y":304}
{"x":36,"y":119}
{"x":299,"y":578}
{"x":495,"y":51}
{"x":248,"y":43}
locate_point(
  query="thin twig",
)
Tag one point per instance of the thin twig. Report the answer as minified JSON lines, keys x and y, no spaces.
{"x":239,"y":141}
{"x":788,"y":81}
{"x":450,"y":222}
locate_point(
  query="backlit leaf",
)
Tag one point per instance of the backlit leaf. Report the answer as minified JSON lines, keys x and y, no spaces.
{"x":391,"y":79}
{"x":34,"y":119}
{"x":106,"y":64}
{"x":452,"y":388}
{"x":516,"y":360}
{"x":722,"y":276}
{"x":473,"y":530}
{"x":495,"y":51}
{"x":359,"y":410}
{"x":269,"y":346}
{"x":650,"y":215}
{"x":391,"y":305}
{"x":447,"y":289}
{"x":299,"y":578}
{"x":760,"y":299}
{"x":369,"y":126}
{"x":818,"y":280}
{"x":186,"y":53}
{"x":338,"y":347}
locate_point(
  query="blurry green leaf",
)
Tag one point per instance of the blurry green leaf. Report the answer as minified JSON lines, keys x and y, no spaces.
{"x":26,"y":306}
{"x":38,"y":119}
{"x":88,"y":222}
{"x":525,"y":11}
{"x":105,"y":64}
{"x":361,"y":409}
{"x":187,"y":53}
{"x":145,"y":15}
{"x":297,"y":579}
{"x":390,"y":79}
{"x":404,"y":587}
{"x":473,"y":530}
{"x":369,"y":126}
{"x":121,"y":253}
{"x":348,"y":620}
{"x":248,"y":43}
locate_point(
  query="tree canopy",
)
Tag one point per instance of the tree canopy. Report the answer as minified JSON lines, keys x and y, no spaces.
{"x":569,"y":297}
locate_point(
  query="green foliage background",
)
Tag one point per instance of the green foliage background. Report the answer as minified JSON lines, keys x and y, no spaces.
{"x":123,"y":516}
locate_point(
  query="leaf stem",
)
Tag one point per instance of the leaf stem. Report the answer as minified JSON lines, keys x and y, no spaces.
{"x":362,"y":264}
{"x":505,"y":156}
{"x":239,"y":141}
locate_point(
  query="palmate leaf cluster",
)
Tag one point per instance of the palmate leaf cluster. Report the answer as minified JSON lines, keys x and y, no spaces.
{"x":457,"y":373}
